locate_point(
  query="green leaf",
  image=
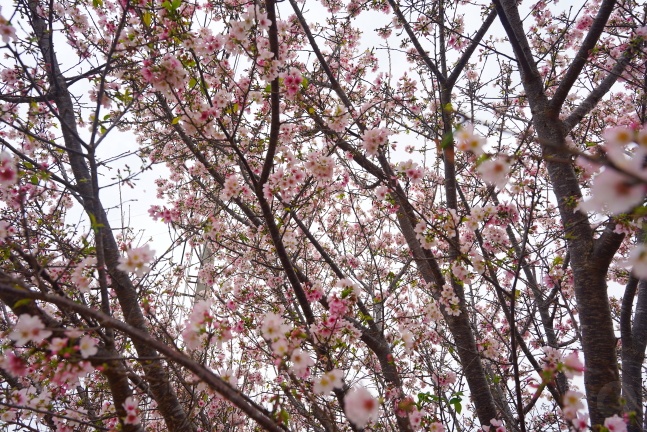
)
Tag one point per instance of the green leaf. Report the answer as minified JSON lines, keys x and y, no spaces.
{"x":22,"y":302}
{"x":427,"y":397}
{"x":448,"y":139}
{"x":346,"y":292}
{"x":94,"y":223}
{"x":97,"y":3}
{"x":268,"y":88}
{"x":147,"y":18}
{"x":175,"y":120}
{"x":34,"y":179}
{"x":456,"y":403}
{"x":176,"y":4}
{"x":304,"y":82}
{"x":284,"y":417}
{"x":192,"y":82}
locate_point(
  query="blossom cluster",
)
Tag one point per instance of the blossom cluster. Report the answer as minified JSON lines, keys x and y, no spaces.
{"x":372,"y":139}
{"x":132,"y":416}
{"x":82,"y":275}
{"x":572,"y":401}
{"x":29,"y":328}
{"x":169,"y":74}
{"x":203,"y":323}
{"x":137,"y":260}
{"x":292,"y":80}
{"x":321,"y":167}
{"x":467,"y":140}
{"x":7,"y":31}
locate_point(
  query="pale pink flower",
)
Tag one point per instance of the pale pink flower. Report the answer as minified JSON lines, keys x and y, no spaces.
{"x":88,"y":346}
{"x":5,"y":230}
{"x":637,"y":261}
{"x":361,"y":407}
{"x":466,"y":140}
{"x":8,"y":170}
{"x":572,"y":403}
{"x":572,"y":364}
{"x":132,"y":417}
{"x":613,"y":192}
{"x":231,"y":188}
{"x":81,"y":277}
{"x":328,"y":382}
{"x":615,"y":424}
{"x":229,"y":377}
{"x":57,"y":344}
{"x":373,"y":139}
{"x":301,"y":361}
{"x":280,"y":347}
{"x":436,"y":427}
{"x":13,"y":364}
{"x":7,"y":31}
{"x":137,"y":260}
{"x":9,"y":415}
{"x":415,"y":418}
{"x":29,"y":328}
{"x":320,"y":167}
{"x":581,"y":422}
{"x":618,"y":136}
{"x":495,"y":171}
{"x":498,"y":424}
{"x":381,"y":192}
{"x":273,"y":326}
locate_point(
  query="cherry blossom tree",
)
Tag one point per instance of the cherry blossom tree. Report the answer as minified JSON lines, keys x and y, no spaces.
{"x":381,"y":215}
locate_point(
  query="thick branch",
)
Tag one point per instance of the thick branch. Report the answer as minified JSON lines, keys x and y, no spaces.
{"x":598,"y":93}
{"x":250,"y":408}
{"x":582,"y":56}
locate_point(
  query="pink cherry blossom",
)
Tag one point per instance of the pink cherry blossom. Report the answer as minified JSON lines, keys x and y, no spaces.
{"x":581,"y":422}
{"x":132,"y":416}
{"x":495,"y":171}
{"x":328,"y":382}
{"x":29,"y":329}
{"x":498,"y":426}
{"x":615,"y":424}
{"x":572,"y":365}
{"x":360,"y":406}
{"x":467,"y":140}
{"x":5,"y":230}
{"x":13,"y":364}
{"x":8,"y":170}
{"x":613,"y":192}
{"x":88,"y":346}
{"x":57,"y":344}
{"x":374,"y":138}
{"x":436,"y":427}
{"x":137,"y":260}
{"x":7,"y":31}
{"x":301,"y":362}
{"x":572,"y":401}
{"x":637,"y":261}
